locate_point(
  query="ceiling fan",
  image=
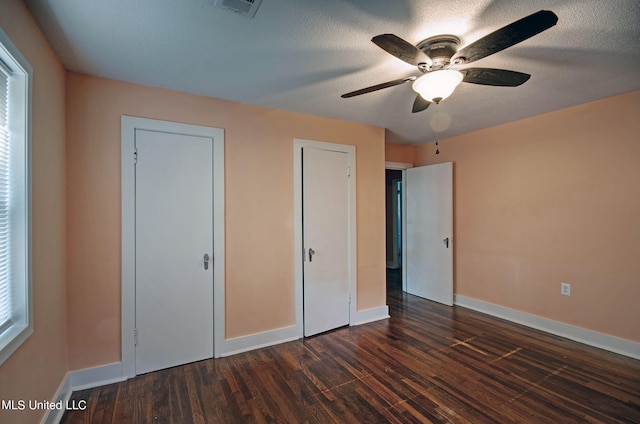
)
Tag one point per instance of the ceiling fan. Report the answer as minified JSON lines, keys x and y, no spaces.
{"x":438,"y":58}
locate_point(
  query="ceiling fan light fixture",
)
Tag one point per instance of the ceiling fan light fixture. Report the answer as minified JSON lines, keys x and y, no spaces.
{"x":437,"y":85}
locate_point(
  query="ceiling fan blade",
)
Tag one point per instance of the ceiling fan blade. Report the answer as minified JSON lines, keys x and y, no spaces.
{"x":497,"y":77}
{"x":377,"y":87}
{"x":401,"y":49}
{"x":419,"y":104}
{"x":507,"y":36}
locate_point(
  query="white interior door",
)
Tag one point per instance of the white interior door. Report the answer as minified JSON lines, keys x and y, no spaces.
{"x":325,"y":236}
{"x":174,"y":231}
{"x":429,"y":232}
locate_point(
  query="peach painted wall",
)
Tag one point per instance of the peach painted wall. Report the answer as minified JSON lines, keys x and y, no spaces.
{"x":259,"y":207}
{"x":550,"y":199}
{"x":37,"y":368}
{"x":399,"y":153}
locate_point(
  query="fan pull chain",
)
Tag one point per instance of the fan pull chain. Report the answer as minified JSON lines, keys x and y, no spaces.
{"x":437,"y":129}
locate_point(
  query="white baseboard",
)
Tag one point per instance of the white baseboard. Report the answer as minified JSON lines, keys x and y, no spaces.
{"x":259,"y":340}
{"x":370,"y":315}
{"x":79,"y":380}
{"x":591,"y":338}
{"x":288,"y":334}
{"x":53,"y":416}
{"x":97,"y":376}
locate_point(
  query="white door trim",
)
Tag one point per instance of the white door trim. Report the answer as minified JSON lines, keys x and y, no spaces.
{"x":298,"y":145}
{"x":397,"y":165}
{"x":128,"y":126}
{"x":404,"y":229}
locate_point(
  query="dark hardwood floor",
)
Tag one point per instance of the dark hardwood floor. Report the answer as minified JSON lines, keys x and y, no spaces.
{"x":428,"y":363}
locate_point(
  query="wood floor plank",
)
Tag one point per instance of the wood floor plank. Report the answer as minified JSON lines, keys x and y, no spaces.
{"x":428,"y":363}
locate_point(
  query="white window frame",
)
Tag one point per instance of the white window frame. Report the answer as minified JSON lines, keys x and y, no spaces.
{"x":19,"y":106}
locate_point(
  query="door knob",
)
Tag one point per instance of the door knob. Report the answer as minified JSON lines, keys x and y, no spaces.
{"x":311,"y":253}
{"x":206,"y":261}
{"x":446,"y":242}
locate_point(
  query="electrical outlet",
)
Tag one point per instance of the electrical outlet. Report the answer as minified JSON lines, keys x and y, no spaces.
{"x":565,"y":289}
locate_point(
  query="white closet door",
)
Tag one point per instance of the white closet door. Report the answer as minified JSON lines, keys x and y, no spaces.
{"x":174,"y":231}
{"x":326,"y":232}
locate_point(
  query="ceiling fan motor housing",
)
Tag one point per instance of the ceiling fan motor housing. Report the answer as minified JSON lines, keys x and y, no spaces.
{"x":440,"y":49}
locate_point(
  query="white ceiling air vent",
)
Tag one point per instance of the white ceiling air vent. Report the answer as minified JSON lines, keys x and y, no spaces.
{"x":243,"y":7}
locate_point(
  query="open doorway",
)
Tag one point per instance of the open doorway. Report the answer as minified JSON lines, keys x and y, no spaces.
{"x":393,"y":197}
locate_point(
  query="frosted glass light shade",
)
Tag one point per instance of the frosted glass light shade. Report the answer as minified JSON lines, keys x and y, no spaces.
{"x":437,"y":85}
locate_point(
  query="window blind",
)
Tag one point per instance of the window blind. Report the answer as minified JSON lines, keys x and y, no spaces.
{"x":15,"y":174}
{"x":5,"y":234}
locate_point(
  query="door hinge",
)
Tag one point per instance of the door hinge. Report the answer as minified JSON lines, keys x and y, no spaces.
{"x":135,"y":156}
{"x":135,"y":336}
{"x":304,"y":255}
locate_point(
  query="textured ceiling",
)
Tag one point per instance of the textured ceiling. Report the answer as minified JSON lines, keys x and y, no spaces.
{"x":301,"y":55}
